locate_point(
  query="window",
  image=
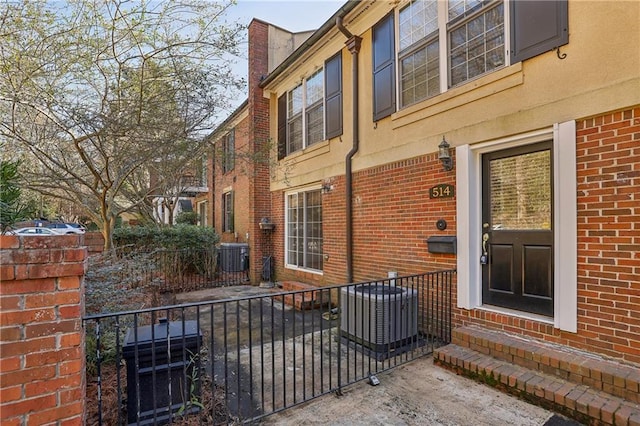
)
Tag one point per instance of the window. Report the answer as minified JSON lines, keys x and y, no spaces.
{"x":228,"y":151}
{"x":227,"y":212}
{"x":305,"y":113}
{"x":294,"y":120}
{"x":312,"y":111}
{"x":419,"y":52}
{"x":304,"y":230}
{"x":476,"y":38}
{"x":445,"y":44}
{"x":203,"y":172}
{"x":202,"y":213}
{"x":314,"y":107}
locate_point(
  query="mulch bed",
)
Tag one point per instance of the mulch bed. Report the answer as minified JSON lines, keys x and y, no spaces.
{"x":214,"y":412}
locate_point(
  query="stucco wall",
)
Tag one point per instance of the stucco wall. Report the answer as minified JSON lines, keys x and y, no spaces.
{"x":600,"y":73}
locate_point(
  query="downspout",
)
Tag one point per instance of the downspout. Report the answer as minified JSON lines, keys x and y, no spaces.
{"x":353,"y":44}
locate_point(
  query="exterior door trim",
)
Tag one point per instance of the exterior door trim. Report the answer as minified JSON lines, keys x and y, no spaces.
{"x":469,"y":218}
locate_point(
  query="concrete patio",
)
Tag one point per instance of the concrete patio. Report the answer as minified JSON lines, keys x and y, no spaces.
{"x":416,"y":393}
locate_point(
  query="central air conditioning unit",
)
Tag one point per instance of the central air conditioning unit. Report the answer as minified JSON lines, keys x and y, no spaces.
{"x":234,"y":257}
{"x":380,"y":317}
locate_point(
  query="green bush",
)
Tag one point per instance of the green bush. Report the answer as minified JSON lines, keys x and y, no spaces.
{"x":108,"y":348}
{"x":187,"y":218}
{"x":170,"y":238}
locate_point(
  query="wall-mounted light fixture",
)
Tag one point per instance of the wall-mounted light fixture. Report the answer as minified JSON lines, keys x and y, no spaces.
{"x":444,"y":155}
{"x":266,"y":225}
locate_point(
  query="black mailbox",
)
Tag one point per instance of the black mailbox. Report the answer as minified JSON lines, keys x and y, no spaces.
{"x":163,"y":366}
{"x":442,"y":244}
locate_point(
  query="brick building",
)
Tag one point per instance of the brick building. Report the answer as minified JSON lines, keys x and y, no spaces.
{"x":539,"y":210}
{"x":238,"y":166}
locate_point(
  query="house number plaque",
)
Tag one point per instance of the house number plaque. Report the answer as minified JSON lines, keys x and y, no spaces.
{"x":442,"y":191}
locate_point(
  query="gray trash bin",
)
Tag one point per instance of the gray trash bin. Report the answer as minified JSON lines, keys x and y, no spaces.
{"x":163,"y":367}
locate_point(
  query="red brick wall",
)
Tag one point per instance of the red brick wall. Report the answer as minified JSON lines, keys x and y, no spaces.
{"x":608,"y":184}
{"x":238,"y":180}
{"x":41,"y":335}
{"x":393,"y":217}
{"x":250,"y":178}
{"x":259,"y":194}
{"x":609,"y":232}
{"x":94,"y":242}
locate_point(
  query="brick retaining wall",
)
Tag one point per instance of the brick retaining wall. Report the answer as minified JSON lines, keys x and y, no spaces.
{"x":41,"y":306}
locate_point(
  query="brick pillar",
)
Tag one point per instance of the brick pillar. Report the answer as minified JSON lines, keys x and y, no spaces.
{"x":259,"y":190}
{"x":42,"y":356}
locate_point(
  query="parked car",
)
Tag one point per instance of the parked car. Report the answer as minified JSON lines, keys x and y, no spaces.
{"x":66,"y":228}
{"x":33,"y":230}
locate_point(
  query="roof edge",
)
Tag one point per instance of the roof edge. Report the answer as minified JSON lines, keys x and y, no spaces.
{"x":220,"y":127}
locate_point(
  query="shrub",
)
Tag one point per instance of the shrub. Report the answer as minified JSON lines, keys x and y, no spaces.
{"x":187,"y":218}
{"x":171,"y":238}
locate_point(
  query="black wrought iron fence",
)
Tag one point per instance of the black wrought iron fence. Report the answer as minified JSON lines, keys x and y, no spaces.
{"x":238,"y":360}
{"x":179,"y":270}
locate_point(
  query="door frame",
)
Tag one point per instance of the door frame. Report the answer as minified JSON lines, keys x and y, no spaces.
{"x":469,"y":220}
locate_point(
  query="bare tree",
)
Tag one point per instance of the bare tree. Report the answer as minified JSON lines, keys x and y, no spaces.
{"x":95,"y":92}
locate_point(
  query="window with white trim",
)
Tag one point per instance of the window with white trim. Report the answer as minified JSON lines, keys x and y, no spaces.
{"x":443,"y":44}
{"x":202,"y":213}
{"x":305,"y":113}
{"x":204,"y":172}
{"x":419,"y":51}
{"x":476,"y":38}
{"x":312,"y":111}
{"x":227,"y":212}
{"x":229,"y":151}
{"x":303,"y":241}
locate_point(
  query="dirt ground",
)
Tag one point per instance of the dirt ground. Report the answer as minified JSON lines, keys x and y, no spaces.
{"x":417,"y":393}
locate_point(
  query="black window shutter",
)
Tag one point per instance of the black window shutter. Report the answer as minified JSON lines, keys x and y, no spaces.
{"x":231,"y":211}
{"x":282,"y":126}
{"x":333,"y":95}
{"x":384,"y":97}
{"x":537,"y":27}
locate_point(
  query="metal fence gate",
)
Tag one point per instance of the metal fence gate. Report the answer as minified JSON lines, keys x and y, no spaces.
{"x":238,"y":360}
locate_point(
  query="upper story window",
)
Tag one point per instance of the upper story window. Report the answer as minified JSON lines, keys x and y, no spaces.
{"x":305,"y":113}
{"x":314,"y":107}
{"x":203,"y":172}
{"x":442,"y":44}
{"x":419,"y":51}
{"x":228,"y":151}
{"x":312,"y":111}
{"x":476,"y":38}
{"x":294,"y":120}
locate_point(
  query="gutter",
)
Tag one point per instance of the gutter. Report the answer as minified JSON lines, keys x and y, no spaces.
{"x":309,"y":43}
{"x":353,"y":44}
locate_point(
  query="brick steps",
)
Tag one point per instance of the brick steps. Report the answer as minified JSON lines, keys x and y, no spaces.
{"x":580,"y":385}
{"x":306,"y":296}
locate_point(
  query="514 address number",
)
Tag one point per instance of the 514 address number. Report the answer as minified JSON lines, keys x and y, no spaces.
{"x":442,"y":191}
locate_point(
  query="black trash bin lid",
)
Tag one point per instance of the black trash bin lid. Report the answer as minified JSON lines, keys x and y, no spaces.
{"x":159,"y":336}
